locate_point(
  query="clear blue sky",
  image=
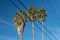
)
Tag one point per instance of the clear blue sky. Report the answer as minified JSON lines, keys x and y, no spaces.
{"x":8,"y":29}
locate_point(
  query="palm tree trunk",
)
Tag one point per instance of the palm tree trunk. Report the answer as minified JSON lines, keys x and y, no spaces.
{"x":42,"y":31}
{"x":20,"y":37}
{"x":20,"y":33}
{"x":34,"y":37}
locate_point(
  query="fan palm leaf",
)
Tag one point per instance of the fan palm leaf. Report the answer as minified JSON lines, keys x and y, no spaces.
{"x":42,"y":14}
{"x":31,"y":13}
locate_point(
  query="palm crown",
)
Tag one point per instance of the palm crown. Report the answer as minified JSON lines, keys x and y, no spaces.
{"x":31,"y":13}
{"x":41,"y":14}
{"x":19,"y":15}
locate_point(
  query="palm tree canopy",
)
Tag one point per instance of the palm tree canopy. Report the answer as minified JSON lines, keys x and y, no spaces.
{"x":18,"y":17}
{"x":42,"y":14}
{"x":31,"y":12}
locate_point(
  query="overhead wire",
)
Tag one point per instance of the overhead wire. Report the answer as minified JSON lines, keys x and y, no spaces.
{"x":44,"y":32}
{"x":14,"y":4}
{"x":50,"y":33}
{"x":22,"y":3}
{"x":53,"y":9}
{"x":50,"y":13}
{"x":52,"y":18}
{"x":56,"y":15}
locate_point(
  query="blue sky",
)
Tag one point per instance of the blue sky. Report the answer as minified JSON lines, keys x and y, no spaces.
{"x":8,"y":29}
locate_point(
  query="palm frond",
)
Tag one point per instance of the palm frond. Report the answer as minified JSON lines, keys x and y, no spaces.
{"x":31,"y":13}
{"x":41,"y":14}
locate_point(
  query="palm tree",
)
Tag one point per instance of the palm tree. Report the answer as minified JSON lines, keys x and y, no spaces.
{"x":31,"y":16}
{"x":42,"y":16}
{"x":19,"y":19}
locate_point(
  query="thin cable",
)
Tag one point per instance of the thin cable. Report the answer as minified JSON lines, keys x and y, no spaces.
{"x":48,"y":30}
{"x":53,"y":8}
{"x":23,"y":4}
{"x":34,"y":37}
{"x":14,"y":4}
{"x":44,"y":32}
{"x":54,"y":20}
{"x":50,"y":14}
{"x":31,"y":2}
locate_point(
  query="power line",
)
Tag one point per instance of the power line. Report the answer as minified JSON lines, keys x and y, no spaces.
{"x":54,"y":11}
{"x":34,"y":37}
{"x":50,"y":32}
{"x":14,"y":4}
{"x":44,"y":32}
{"x":50,"y":14}
{"x":23,"y":4}
{"x":31,"y":2}
{"x":38,"y":5}
{"x":53,"y":8}
{"x":52,"y":18}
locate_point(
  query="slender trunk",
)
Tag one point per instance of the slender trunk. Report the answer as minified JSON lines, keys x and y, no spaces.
{"x":20,"y":37}
{"x":20,"y":33}
{"x":42,"y":31}
{"x":34,"y":37}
